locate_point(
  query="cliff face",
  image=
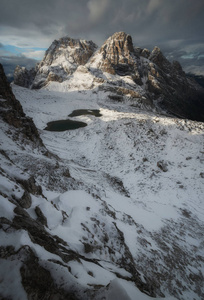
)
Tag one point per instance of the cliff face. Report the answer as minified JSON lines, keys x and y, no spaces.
{"x":12,"y":112}
{"x":147,"y":78}
{"x":118,"y":55}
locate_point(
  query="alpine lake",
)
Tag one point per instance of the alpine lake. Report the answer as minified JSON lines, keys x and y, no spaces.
{"x":63,"y":125}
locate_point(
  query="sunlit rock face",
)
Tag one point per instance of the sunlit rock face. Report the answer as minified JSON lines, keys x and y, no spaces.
{"x":118,"y":57}
{"x":118,"y":54}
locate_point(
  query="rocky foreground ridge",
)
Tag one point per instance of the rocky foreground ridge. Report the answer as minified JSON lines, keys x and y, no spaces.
{"x":127,"y":73}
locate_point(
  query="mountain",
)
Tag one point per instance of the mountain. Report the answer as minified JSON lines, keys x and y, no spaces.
{"x":61,"y":59}
{"x":127,"y":73}
{"x":112,"y":210}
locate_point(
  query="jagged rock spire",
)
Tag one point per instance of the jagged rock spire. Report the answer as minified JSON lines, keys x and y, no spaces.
{"x":116,"y":53}
{"x":159,"y":59}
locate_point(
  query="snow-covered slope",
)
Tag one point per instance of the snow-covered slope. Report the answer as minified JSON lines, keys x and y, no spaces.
{"x":121,"y":210}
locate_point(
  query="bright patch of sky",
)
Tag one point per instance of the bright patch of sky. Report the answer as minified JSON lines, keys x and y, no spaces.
{"x":193,"y":56}
{"x":188,"y":56}
{"x":201,"y":56}
{"x":35,"y":52}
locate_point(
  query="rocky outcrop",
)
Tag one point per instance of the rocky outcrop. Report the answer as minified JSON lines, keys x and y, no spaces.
{"x":117,"y":54}
{"x":158,"y":59}
{"x":145,"y":53}
{"x":119,"y":57}
{"x":12,"y":112}
{"x":24,"y":77}
{"x":61,"y":59}
{"x":76,"y":51}
{"x":38,"y":281}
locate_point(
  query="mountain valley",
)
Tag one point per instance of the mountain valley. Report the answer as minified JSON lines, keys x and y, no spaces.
{"x":114,"y":209}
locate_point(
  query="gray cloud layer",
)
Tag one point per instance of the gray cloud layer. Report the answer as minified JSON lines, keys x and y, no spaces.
{"x":170,"y":24}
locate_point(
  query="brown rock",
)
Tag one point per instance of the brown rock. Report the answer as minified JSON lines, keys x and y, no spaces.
{"x":117,"y":54}
{"x":25,"y":200}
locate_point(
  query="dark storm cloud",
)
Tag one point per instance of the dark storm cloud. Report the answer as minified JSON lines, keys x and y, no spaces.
{"x":166,"y":23}
{"x":150,"y":19}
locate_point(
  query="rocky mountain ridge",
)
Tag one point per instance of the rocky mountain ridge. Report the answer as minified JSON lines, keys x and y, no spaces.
{"x":146,"y":79}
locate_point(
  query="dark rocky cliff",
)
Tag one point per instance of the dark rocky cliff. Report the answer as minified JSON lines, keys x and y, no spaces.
{"x":12,"y":112}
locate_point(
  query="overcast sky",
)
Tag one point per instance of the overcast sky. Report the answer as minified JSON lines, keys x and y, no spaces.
{"x":28,"y":27}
